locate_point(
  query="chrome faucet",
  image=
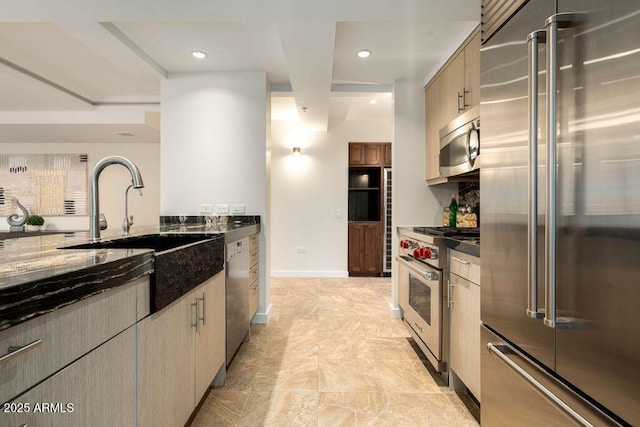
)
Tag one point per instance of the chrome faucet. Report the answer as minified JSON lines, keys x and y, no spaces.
{"x":128,"y":219}
{"x":94,"y":204}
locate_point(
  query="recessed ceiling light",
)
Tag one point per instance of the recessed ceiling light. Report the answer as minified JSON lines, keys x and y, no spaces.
{"x":198,"y":54}
{"x":373,"y":101}
{"x":364,"y":53}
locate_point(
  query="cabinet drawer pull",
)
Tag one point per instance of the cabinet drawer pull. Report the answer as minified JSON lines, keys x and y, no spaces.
{"x":462,"y":97}
{"x":461,"y":261}
{"x":204,"y":308}
{"x":19,"y":351}
{"x":196,"y":324}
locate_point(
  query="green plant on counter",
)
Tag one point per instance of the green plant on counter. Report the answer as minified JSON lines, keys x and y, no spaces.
{"x":35,"y":220}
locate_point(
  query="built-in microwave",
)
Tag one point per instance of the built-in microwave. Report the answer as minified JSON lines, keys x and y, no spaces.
{"x":460,"y":145}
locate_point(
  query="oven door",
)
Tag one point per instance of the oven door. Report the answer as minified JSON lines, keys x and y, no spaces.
{"x":423,"y":311}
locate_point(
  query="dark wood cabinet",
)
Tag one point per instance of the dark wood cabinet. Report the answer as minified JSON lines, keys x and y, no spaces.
{"x":367,"y":162}
{"x":387,"y":155}
{"x":372,"y":154}
{"x":365,"y":248}
{"x":369,"y":154}
{"x":356,"y":154}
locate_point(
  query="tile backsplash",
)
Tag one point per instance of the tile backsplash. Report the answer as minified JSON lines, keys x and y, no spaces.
{"x":469,"y":195}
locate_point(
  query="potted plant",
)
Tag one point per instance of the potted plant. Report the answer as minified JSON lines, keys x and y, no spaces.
{"x":34,"y":222}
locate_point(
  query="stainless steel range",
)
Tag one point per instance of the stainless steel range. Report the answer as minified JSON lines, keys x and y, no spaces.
{"x":422,"y":268}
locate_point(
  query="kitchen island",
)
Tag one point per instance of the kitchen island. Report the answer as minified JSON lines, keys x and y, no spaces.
{"x":71,"y":318}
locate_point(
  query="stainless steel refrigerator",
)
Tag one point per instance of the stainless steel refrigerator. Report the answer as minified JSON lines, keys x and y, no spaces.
{"x":560,"y":293}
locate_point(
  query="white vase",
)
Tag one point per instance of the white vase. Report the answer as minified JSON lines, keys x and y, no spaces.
{"x":32,"y":227}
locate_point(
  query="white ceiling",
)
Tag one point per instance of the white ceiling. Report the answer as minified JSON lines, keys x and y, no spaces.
{"x":74,"y":54}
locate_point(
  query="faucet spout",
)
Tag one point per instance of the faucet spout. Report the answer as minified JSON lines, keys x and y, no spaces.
{"x":94,"y":199}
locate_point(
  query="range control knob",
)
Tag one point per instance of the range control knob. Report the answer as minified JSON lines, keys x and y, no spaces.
{"x":416,"y":253}
{"x":425,"y":253}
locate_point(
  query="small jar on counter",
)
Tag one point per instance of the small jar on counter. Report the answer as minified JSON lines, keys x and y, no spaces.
{"x":445,"y":217}
{"x":466,"y":218}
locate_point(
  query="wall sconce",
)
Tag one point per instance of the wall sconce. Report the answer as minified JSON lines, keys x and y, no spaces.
{"x":296,"y":151}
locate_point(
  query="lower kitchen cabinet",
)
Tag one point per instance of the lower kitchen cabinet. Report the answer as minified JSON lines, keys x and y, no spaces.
{"x":210,"y":340}
{"x":99,"y":389}
{"x":65,"y":335}
{"x":465,"y":320}
{"x":365,"y":248}
{"x":181,"y":348}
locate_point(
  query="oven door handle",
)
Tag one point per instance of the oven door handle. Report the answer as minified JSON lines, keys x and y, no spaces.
{"x":410,"y":264}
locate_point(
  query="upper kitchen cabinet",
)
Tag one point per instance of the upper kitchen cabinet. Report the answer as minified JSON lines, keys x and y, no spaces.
{"x":454,"y":90}
{"x":387,"y":155}
{"x":472,"y":71}
{"x":366,"y":154}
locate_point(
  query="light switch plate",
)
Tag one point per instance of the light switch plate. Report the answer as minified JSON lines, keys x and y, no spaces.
{"x":237,"y":209}
{"x":206,"y":208}
{"x":222,"y":209}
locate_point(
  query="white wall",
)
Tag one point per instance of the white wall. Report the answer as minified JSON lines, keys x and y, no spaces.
{"x":414,"y":202}
{"x":215,"y":149}
{"x":307,"y":191}
{"x":213,"y":141}
{"x":113,"y":181}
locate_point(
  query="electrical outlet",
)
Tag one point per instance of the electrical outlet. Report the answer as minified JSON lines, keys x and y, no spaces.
{"x":302,"y":250}
{"x":222,"y":209}
{"x":206,"y":208}
{"x":237,"y":209}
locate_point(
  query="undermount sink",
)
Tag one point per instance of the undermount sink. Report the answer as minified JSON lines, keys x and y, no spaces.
{"x":182,"y":261}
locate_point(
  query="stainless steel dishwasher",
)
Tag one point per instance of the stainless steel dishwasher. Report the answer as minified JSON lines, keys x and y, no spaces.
{"x":237,"y":290}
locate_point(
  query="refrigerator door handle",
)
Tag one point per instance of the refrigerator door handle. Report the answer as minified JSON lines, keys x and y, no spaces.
{"x":552,"y":25}
{"x":499,"y":351}
{"x":533,"y":41}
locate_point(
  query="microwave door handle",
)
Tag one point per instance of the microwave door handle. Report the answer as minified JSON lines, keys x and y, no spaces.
{"x":472,"y":152}
{"x":552,"y":24}
{"x":533,"y":41}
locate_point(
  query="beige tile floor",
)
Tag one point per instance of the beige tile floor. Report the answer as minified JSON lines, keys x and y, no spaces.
{"x":331,"y":356}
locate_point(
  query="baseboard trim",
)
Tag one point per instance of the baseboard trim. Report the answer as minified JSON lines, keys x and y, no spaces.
{"x":262,"y":318}
{"x":309,"y":273}
{"x":396,"y":312}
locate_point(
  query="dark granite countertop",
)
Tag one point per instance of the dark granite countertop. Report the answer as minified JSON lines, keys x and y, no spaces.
{"x":37,"y":275}
{"x":467,"y":246}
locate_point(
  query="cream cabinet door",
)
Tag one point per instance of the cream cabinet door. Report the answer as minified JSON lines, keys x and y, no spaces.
{"x":432,"y":123}
{"x":166,"y":364}
{"x":465,"y":332}
{"x":452,"y":97}
{"x":65,"y":335}
{"x":472,"y":71}
{"x":99,"y":389}
{"x":210,"y":336}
